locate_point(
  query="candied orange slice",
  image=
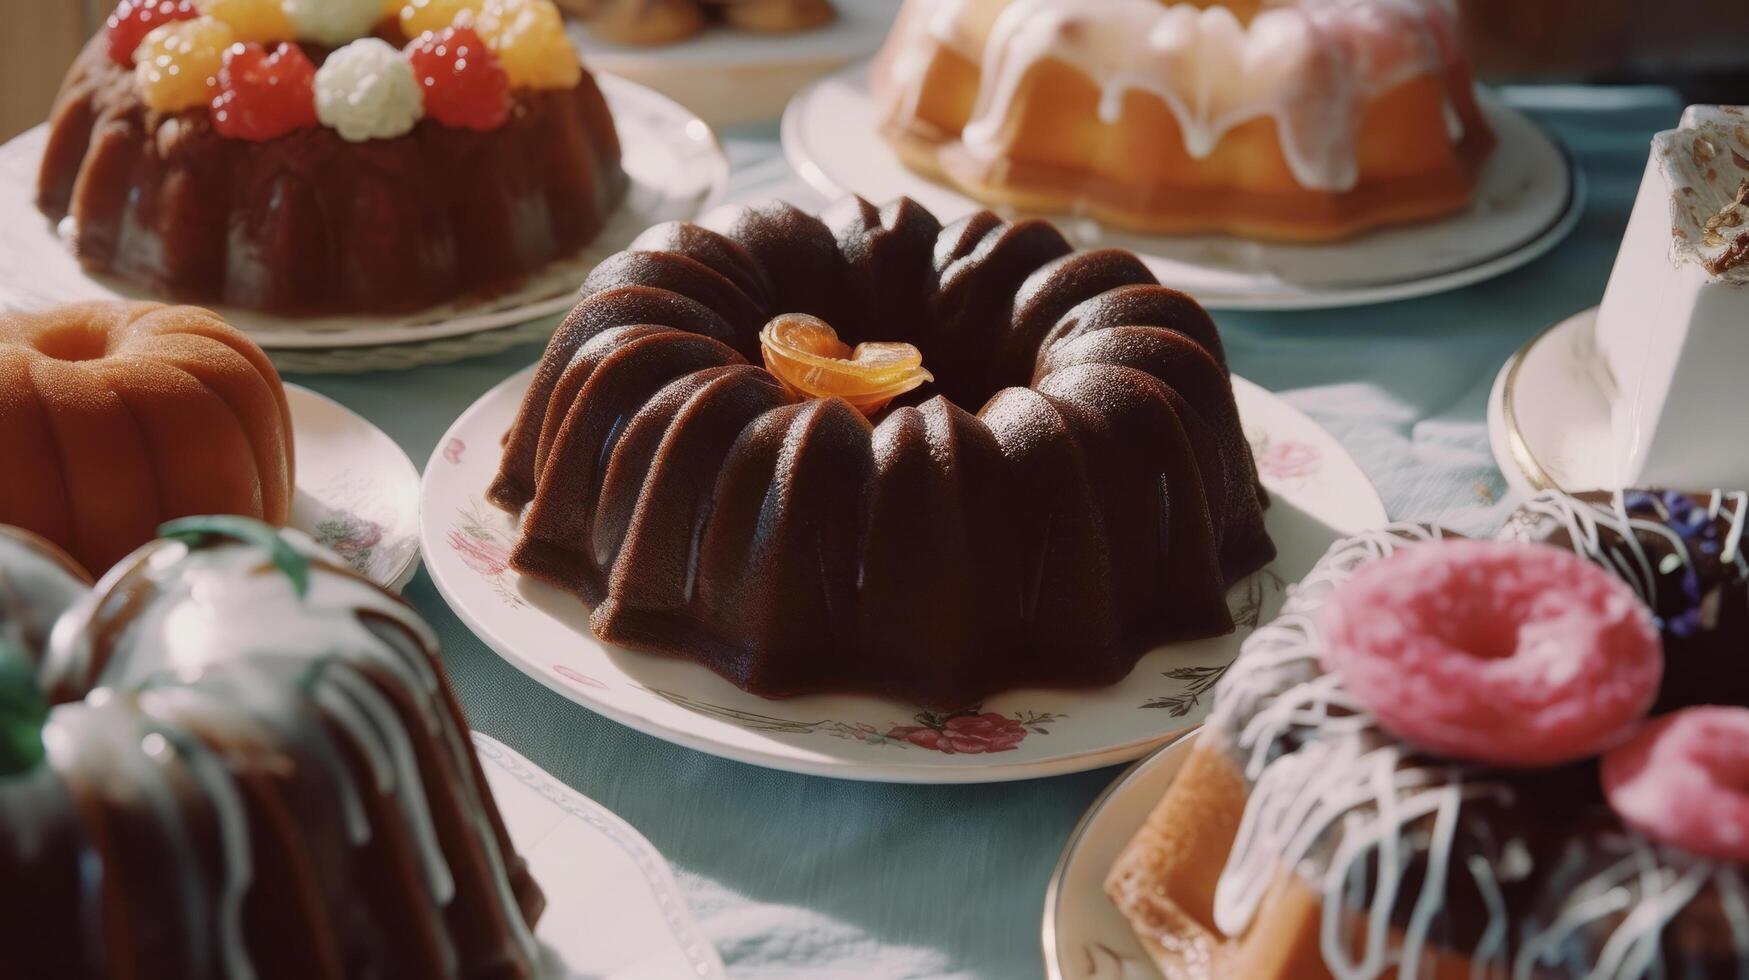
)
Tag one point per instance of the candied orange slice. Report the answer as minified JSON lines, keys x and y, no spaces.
{"x":805,"y":354}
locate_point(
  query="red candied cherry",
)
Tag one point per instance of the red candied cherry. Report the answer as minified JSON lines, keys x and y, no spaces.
{"x":264,"y":96}
{"x":464,"y":83}
{"x":134,"y":19}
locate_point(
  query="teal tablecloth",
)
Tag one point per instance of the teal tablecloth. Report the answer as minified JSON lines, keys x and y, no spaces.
{"x":794,"y":876}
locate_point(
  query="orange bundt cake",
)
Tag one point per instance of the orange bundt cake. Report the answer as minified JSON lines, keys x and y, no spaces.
{"x":1101,"y":499}
{"x":115,"y":417}
{"x":348,"y":156}
{"x":1519,"y":759}
{"x":234,"y":758}
{"x":667,"y":21}
{"x":1299,"y":120}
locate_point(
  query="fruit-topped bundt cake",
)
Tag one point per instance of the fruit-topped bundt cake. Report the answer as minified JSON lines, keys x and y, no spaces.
{"x":973,"y":459}
{"x":1519,"y":759}
{"x":236,"y":759}
{"x":667,"y":21}
{"x":311,"y":157}
{"x":116,"y":417}
{"x":1300,"y":120}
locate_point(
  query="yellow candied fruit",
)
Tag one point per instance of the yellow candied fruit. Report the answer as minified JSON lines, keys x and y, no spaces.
{"x":805,"y":354}
{"x":420,"y":16}
{"x":177,"y":64}
{"x":252,"y":21}
{"x":529,"y":39}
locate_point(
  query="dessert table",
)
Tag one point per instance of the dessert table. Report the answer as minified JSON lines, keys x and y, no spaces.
{"x":797,"y":876}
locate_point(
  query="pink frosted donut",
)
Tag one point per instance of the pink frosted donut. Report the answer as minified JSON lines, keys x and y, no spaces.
{"x":1684,"y":780}
{"x":1512,"y":654}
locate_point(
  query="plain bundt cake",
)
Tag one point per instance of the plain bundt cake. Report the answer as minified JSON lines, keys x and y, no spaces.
{"x":252,"y":767}
{"x":1314,"y":833}
{"x":1282,"y":119}
{"x":325,"y":176}
{"x":1101,"y":500}
{"x":116,"y":417}
{"x":667,"y":21}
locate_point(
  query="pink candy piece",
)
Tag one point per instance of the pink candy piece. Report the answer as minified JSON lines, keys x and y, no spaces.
{"x":1512,"y":654}
{"x":1684,"y":780}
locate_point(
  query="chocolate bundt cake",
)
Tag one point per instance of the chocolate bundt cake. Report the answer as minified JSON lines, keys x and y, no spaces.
{"x":248,"y":763}
{"x":1306,"y":838}
{"x":1101,"y":500}
{"x":311,"y":210}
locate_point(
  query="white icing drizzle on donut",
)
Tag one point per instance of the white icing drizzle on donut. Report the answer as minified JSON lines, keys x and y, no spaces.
{"x":1311,"y":66}
{"x":1321,"y":772}
{"x":1585,"y":523}
{"x":218,"y":637}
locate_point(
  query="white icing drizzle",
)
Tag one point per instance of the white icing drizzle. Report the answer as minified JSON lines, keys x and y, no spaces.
{"x":218,"y":634}
{"x":1311,"y":66}
{"x":1585,"y":524}
{"x":1334,"y":798}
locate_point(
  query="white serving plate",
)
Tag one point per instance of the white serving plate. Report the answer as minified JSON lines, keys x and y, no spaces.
{"x":1528,"y":198}
{"x":1549,"y":413}
{"x":732,"y":77}
{"x":614,"y":911}
{"x":672,"y":157}
{"x":357,"y":492}
{"x":1085,"y":937}
{"x":1319,"y":494}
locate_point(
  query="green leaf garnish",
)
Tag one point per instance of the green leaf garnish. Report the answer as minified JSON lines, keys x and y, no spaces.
{"x":290,"y":562}
{"x":23,"y":710}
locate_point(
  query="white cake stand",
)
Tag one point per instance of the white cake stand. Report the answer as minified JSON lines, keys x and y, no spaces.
{"x":732,"y":77}
{"x":1549,"y":412}
{"x":1529,"y":196}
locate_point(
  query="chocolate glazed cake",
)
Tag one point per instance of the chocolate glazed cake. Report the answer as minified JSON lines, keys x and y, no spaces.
{"x":310,"y":224}
{"x":1303,"y":840}
{"x":236,"y":759}
{"x":1101,"y":499}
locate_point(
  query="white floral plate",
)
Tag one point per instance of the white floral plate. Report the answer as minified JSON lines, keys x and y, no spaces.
{"x":733,"y":77}
{"x":1085,"y":936}
{"x":1319,"y":495}
{"x":673,"y":159}
{"x":357,"y":492}
{"x":1528,"y":198}
{"x":614,"y":911}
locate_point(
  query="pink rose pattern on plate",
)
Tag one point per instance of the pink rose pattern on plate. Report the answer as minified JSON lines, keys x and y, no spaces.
{"x":963,"y":734}
{"x":453,"y":451}
{"x":578,"y":678}
{"x":485,"y":549}
{"x":1289,"y":460}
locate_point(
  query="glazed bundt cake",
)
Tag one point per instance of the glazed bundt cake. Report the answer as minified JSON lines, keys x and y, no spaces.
{"x":667,"y":21}
{"x":334,"y":173}
{"x":116,"y":417}
{"x":1316,"y":830}
{"x":1300,"y":120}
{"x":1101,"y":500}
{"x":248,"y":764}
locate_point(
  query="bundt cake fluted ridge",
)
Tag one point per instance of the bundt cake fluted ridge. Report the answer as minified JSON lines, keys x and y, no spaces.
{"x":1101,"y":500}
